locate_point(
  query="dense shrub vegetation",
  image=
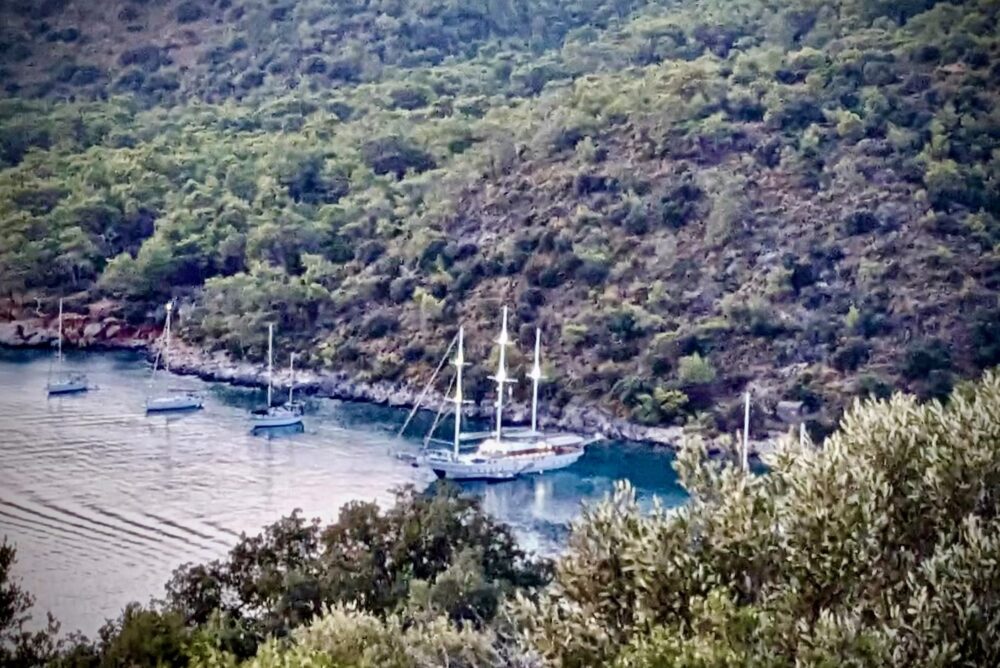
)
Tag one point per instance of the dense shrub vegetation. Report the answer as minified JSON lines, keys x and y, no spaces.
{"x":797,"y":193}
{"x":878,"y":549}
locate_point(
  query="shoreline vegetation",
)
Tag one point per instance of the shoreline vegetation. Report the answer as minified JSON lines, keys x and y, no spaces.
{"x":879,"y":550}
{"x":98,"y":331}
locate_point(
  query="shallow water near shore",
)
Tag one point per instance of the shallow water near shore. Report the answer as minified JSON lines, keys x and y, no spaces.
{"x":103,"y":501}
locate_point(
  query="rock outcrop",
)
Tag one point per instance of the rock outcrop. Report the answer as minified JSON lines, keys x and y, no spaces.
{"x":78,"y":331}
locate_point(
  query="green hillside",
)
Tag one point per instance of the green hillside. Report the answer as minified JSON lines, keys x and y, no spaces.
{"x":686,"y":196}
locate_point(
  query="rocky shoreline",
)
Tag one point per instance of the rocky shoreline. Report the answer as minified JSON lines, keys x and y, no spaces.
{"x":110,"y":333}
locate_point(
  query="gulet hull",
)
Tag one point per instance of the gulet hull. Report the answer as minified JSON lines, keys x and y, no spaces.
{"x":502,"y":468}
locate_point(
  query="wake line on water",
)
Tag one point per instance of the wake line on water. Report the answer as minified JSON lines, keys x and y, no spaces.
{"x":83,"y":418}
{"x":181,"y":527}
{"x":111,"y":454}
{"x":219,"y":527}
{"x":43,"y":531}
{"x":108,"y":530}
{"x":92,"y":536}
{"x":69,"y":543}
{"x":83,"y":447}
{"x":156,"y":530}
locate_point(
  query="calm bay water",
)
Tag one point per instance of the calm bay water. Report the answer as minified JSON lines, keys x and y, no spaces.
{"x":103,"y":502}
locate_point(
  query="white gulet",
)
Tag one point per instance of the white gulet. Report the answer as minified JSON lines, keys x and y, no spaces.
{"x":503,"y":454}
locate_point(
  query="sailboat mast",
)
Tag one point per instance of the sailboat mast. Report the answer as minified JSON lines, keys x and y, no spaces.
{"x":270,"y":360}
{"x":501,"y":376}
{"x":166,"y":333}
{"x":291,"y":376}
{"x":536,"y":376}
{"x":59,"y":353}
{"x":459,"y":363}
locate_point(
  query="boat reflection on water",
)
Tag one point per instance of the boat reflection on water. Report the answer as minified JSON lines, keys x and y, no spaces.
{"x":178,"y":414}
{"x":278,"y":432}
{"x":541,"y":508}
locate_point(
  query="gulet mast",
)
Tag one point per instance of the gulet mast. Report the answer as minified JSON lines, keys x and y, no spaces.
{"x":501,"y":375}
{"x":536,"y":376}
{"x":459,"y":362}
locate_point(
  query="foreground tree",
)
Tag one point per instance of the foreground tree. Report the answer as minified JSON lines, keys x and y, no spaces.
{"x":881,"y":548}
{"x":441,"y":546}
{"x":20,"y":646}
{"x":346,"y":636}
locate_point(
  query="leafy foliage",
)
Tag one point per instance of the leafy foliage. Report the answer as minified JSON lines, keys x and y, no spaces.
{"x":286,"y":576}
{"x":345,"y":636}
{"x":817,"y":561}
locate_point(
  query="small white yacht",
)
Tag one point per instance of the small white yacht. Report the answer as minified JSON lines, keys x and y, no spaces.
{"x":65,"y":382}
{"x":503,"y":455}
{"x":173,"y":400}
{"x":290,"y":413}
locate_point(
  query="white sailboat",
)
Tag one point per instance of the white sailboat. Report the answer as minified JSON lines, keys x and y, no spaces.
{"x":174,"y":400}
{"x":288,"y":414}
{"x":504,"y":455}
{"x":65,"y":382}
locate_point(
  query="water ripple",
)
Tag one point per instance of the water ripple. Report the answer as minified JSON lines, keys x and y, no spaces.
{"x":104,"y":501}
{"x":93,"y":536}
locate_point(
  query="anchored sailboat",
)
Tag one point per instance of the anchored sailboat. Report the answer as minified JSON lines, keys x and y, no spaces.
{"x":65,"y":382}
{"x":174,"y":400}
{"x":504,"y":455}
{"x":288,"y":414}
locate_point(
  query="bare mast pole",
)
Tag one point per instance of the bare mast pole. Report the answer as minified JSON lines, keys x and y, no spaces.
{"x":270,"y":360}
{"x":291,"y":376}
{"x":166,"y":357}
{"x":59,"y":356}
{"x":536,"y":376}
{"x":459,"y":362}
{"x":501,"y":376}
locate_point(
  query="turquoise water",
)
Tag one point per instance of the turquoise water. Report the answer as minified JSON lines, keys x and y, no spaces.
{"x":103,"y":501}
